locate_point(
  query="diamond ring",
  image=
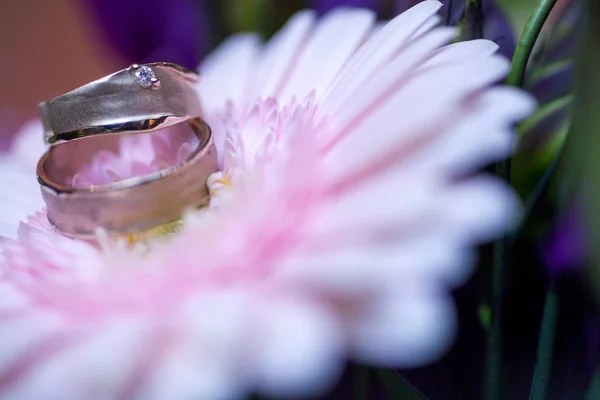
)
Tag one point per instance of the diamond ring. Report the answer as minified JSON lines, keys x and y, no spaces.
{"x":141,"y":98}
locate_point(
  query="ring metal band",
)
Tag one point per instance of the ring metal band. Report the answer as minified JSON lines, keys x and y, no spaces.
{"x":140,"y":98}
{"x":131,"y":205}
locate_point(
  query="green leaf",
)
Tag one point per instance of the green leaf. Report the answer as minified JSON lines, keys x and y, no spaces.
{"x":361,"y":383}
{"x":543,"y":363}
{"x":484,"y":311}
{"x":593,"y":392}
{"x":547,"y":71}
{"x":545,"y":111}
{"x":471,"y":24}
{"x":397,"y":387}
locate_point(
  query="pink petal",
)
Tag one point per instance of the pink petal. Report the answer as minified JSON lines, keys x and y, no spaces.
{"x":22,"y":198}
{"x":479,"y":209}
{"x":281,"y":53}
{"x":464,"y":147}
{"x":299,"y":348}
{"x":226,"y":72}
{"x":378,"y":49}
{"x":366,"y":266}
{"x":461,"y":51}
{"x":395,"y":67}
{"x":369,"y":139}
{"x":335,"y":39}
{"x":107,"y":355}
{"x":201,"y":357}
{"x":404,"y":329}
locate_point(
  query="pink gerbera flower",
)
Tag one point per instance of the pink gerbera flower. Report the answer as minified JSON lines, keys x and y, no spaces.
{"x":345,"y":212}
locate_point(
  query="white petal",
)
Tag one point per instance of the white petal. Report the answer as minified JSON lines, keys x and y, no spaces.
{"x":12,"y":298}
{"x":485,"y":134}
{"x":392,"y":199}
{"x":507,"y":103}
{"x":201,"y":361}
{"x":280,"y":53}
{"x":479,"y":209}
{"x":336,"y":37}
{"x":371,"y":137}
{"x":461,"y":50}
{"x":298,"y":349}
{"x":377,"y":50}
{"x":364,"y":267}
{"x":20,"y":197}
{"x":29,"y":145}
{"x":427,"y":25}
{"x":224,"y":75}
{"x":96,"y":362}
{"x":24,"y":331}
{"x":408,"y":328}
{"x":353,"y":84}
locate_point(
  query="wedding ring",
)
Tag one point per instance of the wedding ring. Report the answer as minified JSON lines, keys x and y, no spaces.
{"x":141,"y":98}
{"x":126,"y":206}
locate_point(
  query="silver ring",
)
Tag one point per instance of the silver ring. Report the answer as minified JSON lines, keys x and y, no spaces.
{"x":141,"y":98}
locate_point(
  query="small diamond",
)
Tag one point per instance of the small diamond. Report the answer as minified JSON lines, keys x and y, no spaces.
{"x":145,"y":76}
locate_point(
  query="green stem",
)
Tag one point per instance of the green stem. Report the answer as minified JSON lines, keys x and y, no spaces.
{"x":493,"y":360}
{"x":397,"y":387}
{"x":471,"y":26}
{"x":500,"y":254}
{"x":535,"y":196}
{"x":527,"y":41}
{"x":593,"y":392}
{"x":361,"y":383}
{"x":541,"y":375}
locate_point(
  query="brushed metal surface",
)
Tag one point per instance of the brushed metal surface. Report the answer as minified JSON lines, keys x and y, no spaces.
{"x":118,"y":103}
{"x":131,"y":205}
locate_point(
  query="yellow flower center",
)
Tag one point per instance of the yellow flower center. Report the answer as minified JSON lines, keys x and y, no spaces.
{"x":163,"y":230}
{"x":216,"y":183}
